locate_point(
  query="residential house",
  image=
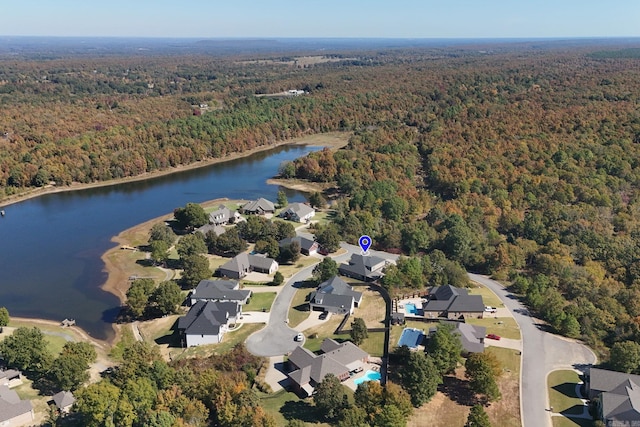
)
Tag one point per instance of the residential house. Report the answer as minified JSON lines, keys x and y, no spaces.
{"x":10,"y":378}
{"x":452,"y":303}
{"x":259,"y":207}
{"x":217,"y":229}
{"x":223,"y":215}
{"x":471,"y":336}
{"x":13,"y":411}
{"x":64,"y":400}
{"x":335,"y":296}
{"x":617,"y":396}
{"x":208,"y":321}
{"x":308,"y":369}
{"x":219,"y":290}
{"x":307,"y":246}
{"x":364,"y":267}
{"x":298,"y":212}
{"x":243,"y":264}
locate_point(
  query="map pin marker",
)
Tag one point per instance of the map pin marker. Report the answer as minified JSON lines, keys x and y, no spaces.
{"x":365,"y":243}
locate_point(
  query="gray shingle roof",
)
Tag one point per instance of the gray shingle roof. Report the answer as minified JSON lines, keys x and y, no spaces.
{"x":305,"y":244}
{"x":363,"y":266}
{"x":220,"y":290}
{"x":298,"y":209}
{"x":63,"y":399}
{"x":220,"y":215}
{"x":452,"y":299}
{"x":260,"y":205}
{"x":246,"y":262}
{"x":620,"y":394}
{"x":217,"y":229}
{"x":335,"y":362}
{"x":471,"y":336}
{"x":206,"y":317}
{"x":10,"y":404}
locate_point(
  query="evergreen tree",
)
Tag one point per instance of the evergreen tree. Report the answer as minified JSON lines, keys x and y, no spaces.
{"x":477,"y":417}
{"x":359,"y":331}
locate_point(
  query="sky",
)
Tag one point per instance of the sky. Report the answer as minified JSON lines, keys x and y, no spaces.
{"x":322,"y":18}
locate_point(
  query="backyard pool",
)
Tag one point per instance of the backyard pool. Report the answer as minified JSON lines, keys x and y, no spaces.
{"x":368,"y":376}
{"x":411,"y":308}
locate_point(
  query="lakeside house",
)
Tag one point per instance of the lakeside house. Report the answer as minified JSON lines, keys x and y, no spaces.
{"x":208,"y":321}
{"x":452,"y":303}
{"x":223,"y":215}
{"x":335,"y":296}
{"x":261,"y":206}
{"x":616,"y":396}
{"x":298,"y":212}
{"x":13,"y":410}
{"x":217,"y":229}
{"x":243,"y":264}
{"x":307,"y":246}
{"x":219,"y":290}
{"x":339,"y":359}
{"x":364,"y":267}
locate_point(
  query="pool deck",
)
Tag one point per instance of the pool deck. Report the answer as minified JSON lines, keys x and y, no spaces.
{"x":415,"y":301}
{"x":368,"y":366}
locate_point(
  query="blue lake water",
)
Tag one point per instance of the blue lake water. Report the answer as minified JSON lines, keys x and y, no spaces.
{"x":50,"y":246}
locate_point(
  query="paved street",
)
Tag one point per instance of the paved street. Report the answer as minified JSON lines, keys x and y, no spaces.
{"x":276,"y":338}
{"x":542,"y":353}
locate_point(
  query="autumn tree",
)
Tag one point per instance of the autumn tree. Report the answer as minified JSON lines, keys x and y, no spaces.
{"x":482,"y":376}
{"x":329,"y":397}
{"x":625,"y":357}
{"x":358,"y":331}
{"x":419,"y":377}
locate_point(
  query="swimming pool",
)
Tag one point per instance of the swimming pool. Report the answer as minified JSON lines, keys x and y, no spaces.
{"x":368,"y":376}
{"x":411,"y":337}
{"x":411,"y":308}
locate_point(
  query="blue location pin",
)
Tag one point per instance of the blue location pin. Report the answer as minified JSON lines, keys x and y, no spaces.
{"x":365,"y":243}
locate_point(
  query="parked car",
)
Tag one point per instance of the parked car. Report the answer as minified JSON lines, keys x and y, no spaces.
{"x":323,"y":315}
{"x":493,"y":337}
{"x":490,"y":309}
{"x":299,"y":337}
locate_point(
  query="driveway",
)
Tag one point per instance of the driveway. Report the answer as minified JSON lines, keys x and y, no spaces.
{"x":542,"y":352}
{"x":276,"y":338}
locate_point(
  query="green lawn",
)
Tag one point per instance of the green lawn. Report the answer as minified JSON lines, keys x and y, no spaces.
{"x":260,"y":301}
{"x":562,"y":392}
{"x":284,"y":406}
{"x":509,"y":359}
{"x":396,"y":331}
{"x":229,"y":341}
{"x":488,"y":297}
{"x":506,"y":327}
{"x":571,"y":422}
{"x":299,"y":309}
{"x":374,"y":344}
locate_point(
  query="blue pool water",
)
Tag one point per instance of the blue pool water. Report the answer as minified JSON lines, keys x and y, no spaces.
{"x":410,"y":337}
{"x":368,"y":376}
{"x":411,"y":308}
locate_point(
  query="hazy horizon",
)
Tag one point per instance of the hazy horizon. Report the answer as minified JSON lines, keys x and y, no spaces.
{"x":403,"y":19}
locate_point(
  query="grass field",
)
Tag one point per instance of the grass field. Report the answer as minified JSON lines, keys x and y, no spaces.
{"x":285,"y":406}
{"x":304,"y":261}
{"x":299,"y":309}
{"x":559,"y":421}
{"x":562,"y":392}
{"x":228,"y":342}
{"x":506,"y":327}
{"x":374,"y":344}
{"x":488,"y":297}
{"x":325,"y":330}
{"x":372,"y":308}
{"x":260,"y":301}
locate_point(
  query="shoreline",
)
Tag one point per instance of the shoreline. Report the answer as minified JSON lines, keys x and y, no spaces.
{"x":37,"y":192}
{"x":117,"y":282}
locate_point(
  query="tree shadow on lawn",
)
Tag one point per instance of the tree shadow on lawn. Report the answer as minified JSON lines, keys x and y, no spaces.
{"x":299,"y":410}
{"x":568,"y":389}
{"x":458,"y":391}
{"x":172,"y":339}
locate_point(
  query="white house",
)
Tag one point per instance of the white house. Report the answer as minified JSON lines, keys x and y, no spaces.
{"x":208,"y":321}
{"x":298,"y":212}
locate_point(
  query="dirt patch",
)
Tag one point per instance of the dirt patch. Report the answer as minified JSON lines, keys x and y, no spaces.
{"x":300,"y":185}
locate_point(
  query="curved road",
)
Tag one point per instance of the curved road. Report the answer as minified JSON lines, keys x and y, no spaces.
{"x":276,"y":338}
{"x":542,"y":353}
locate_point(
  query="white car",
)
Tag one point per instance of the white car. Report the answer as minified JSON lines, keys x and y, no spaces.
{"x":299,"y":337}
{"x":490,"y":309}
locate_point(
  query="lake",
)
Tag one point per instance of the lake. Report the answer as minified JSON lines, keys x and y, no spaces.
{"x":50,"y":246}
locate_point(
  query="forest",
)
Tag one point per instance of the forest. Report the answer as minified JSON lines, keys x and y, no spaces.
{"x":518,"y":160}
